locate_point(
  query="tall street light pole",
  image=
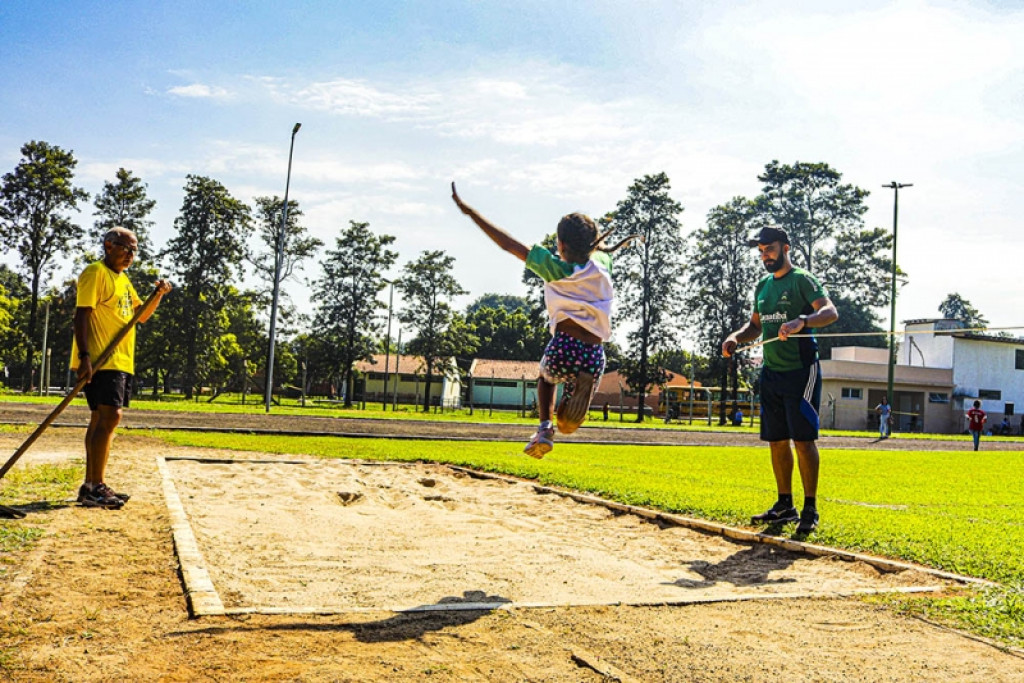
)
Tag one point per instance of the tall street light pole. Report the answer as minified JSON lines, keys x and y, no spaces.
{"x":387,"y":345}
{"x":278,"y":263}
{"x":895,"y":187}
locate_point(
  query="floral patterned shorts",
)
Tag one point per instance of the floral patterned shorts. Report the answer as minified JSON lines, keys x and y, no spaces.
{"x":565,"y":357}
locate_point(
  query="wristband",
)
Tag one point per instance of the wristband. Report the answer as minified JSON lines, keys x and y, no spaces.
{"x":83,"y":354}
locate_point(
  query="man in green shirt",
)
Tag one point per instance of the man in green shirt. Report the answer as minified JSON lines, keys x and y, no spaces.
{"x":789,"y":301}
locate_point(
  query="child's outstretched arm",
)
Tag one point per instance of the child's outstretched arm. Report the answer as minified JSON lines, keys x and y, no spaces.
{"x":500,"y":237}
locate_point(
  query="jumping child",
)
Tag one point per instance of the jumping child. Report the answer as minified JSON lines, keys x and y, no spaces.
{"x":578,"y":294}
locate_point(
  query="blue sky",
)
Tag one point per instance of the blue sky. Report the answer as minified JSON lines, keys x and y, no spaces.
{"x":538,"y":109}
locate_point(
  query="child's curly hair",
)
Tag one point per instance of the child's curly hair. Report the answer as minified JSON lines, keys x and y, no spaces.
{"x":578,"y":233}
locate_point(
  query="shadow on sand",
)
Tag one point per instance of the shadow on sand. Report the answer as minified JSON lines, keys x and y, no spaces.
{"x":407,"y":625}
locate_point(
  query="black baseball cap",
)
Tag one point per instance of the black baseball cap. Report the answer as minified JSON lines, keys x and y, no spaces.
{"x":769,"y":235}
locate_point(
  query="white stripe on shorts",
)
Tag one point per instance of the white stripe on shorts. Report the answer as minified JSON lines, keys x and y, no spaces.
{"x":812,"y":377}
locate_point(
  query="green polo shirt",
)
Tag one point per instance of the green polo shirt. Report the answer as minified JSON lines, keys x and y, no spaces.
{"x":779,"y":300}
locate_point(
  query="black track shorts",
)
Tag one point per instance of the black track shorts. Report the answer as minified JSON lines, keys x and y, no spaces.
{"x":789,"y":404}
{"x":109,"y":388}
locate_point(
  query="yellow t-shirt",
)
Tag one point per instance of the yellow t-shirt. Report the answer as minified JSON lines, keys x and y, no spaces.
{"x":113,"y":301}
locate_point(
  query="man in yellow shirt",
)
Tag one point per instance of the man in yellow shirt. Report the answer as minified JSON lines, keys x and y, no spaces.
{"x":106,"y":303}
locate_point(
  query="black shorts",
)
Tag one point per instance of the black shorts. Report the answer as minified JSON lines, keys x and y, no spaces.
{"x":789,"y":404}
{"x":109,"y":388}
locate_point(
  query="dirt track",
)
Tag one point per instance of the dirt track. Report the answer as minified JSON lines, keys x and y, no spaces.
{"x":592,"y":432}
{"x":100,"y":599}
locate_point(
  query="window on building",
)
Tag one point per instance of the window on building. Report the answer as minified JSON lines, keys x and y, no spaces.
{"x":1007,"y":409}
{"x":990,"y":394}
{"x":936,"y":397}
{"x":1018,"y":361}
{"x":852,"y":392}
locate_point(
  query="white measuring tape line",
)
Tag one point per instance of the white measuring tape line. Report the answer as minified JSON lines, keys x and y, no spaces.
{"x":754,"y":345}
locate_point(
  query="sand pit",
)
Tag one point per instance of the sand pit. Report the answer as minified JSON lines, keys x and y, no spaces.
{"x":335,"y":537}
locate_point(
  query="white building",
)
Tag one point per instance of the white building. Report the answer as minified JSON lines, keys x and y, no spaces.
{"x":985,"y":367}
{"x":503,"y":383}
{"x":940,"y":371}
{"x":406,"y":381}
{"x":854,"y":381}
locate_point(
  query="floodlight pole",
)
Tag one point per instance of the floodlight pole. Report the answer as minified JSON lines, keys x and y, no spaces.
{"x":278,"y":262}
{"x":387,"y":346}
{"x":895,"y":187}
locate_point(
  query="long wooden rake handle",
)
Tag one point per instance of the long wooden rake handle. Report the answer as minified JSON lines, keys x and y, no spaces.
{"x":149,"y":305}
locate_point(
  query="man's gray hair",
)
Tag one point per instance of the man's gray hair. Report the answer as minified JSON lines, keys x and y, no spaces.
{"x":118,"y":231}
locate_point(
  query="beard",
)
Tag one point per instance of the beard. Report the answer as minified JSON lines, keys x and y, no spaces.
{"x":772,"y":265}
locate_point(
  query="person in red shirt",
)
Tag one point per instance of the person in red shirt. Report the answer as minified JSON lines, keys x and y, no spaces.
{"x":976,"y":422}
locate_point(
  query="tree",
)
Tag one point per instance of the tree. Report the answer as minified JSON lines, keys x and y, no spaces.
{"x":855,"y":317}
{"x":858,"y":268}
{"x":955,"y":307}
{"x":353,"y":278}
{"x":427,"y":285}
{"x":720,"y":285}
{"x":298,"y":245}
{"x":61,"y":302}
{"x":14,"y":294}
{"x":160,"y":344}
{"x":125,"y":202}
{"x":34,"y":201}
{"x":8,"y":333}
{"x":507,"y":334}
{"x":209,"y":247}
{"x":824,"y":220}
{"x":318,"y":351}
{"x":506,"y":302}
{"x":648,"y":278}
{"x":811,"y":205}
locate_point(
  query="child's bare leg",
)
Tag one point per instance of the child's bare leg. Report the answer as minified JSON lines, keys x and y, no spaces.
{"x":543,"y":440}
{"x":545,"y":399}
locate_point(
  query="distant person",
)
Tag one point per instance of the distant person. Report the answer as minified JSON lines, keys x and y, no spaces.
{"x":976,"y":419}
{"x":737,"y":416}
{"x":884,"y":411}
{"x":789,"y":301}
{"x":1004,"y":426}
{"x":578,"y":293}
{"x":106,"y":302}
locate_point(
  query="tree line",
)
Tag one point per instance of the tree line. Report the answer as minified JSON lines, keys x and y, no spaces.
{"x":211,"y":331}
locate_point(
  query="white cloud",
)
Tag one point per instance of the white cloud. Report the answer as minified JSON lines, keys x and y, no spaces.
{"x":149,"y":170}
{"x":532,"y":104}
{"x":352,"y":97}
{"x":322,"y":169}
{"x":907,"y":75}
{"x":509,"y":90}
{"x":200,"y":91}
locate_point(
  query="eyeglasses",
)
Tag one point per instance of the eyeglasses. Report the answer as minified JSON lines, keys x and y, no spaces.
{"x":126,"y":247}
